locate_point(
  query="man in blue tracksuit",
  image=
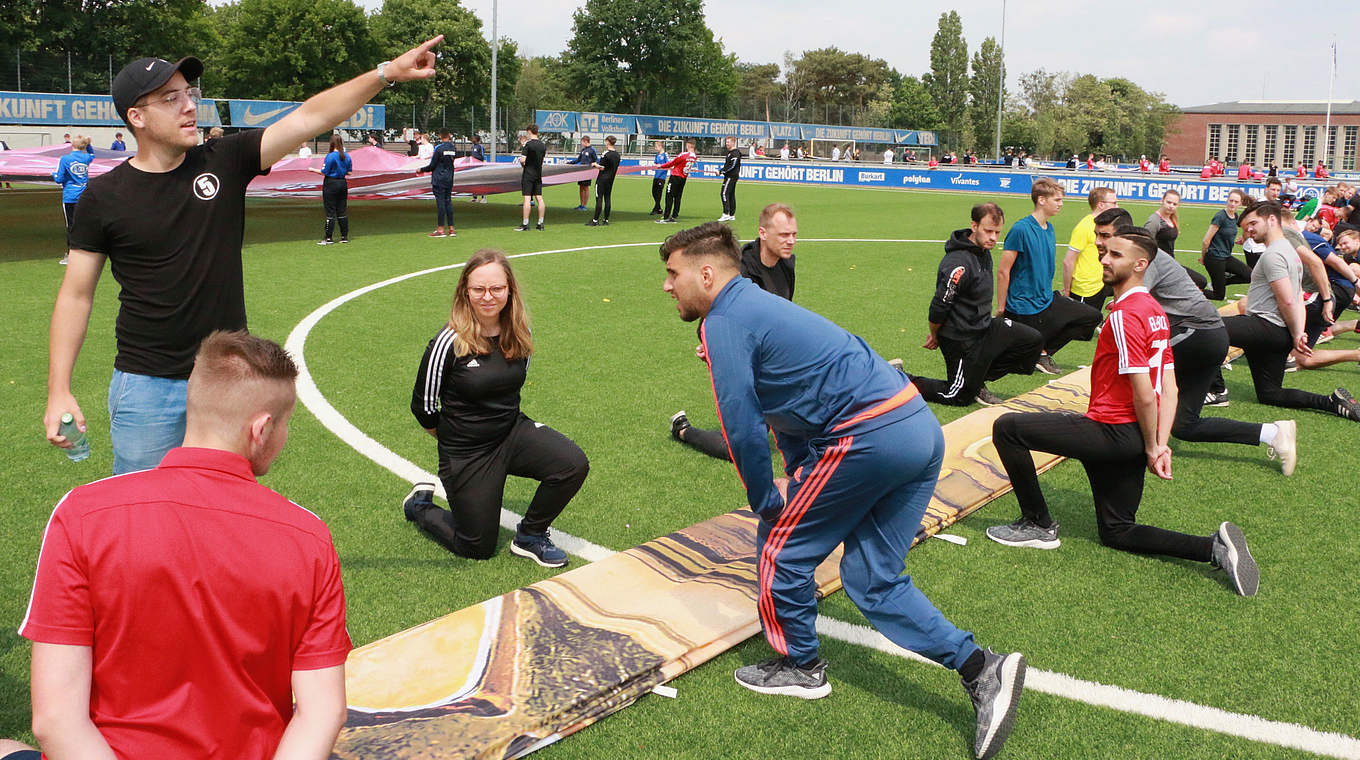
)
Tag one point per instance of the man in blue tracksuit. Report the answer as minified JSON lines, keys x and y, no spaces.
{"x":441,"y":183}
{"x":862,"y":453}
{"x":659,"y":177}
{"x":73,"y":173}
{"x":589,"y":157}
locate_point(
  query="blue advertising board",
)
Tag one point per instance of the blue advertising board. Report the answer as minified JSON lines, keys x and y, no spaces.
{"x":56,"y":109}
{"x":685,"y":126}
{"x":262,"y":113}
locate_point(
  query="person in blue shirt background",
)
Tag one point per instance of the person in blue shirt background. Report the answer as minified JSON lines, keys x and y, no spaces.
{"x":118,"y":143}
{"x":478,"y":152}
{"x":335,"y":190}
{"x":659,"y":177}
{"x":589,"y":157}
{"x":73,"y":173}
{"x":441,"y":182}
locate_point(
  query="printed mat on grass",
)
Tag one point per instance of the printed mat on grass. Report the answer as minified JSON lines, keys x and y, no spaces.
{"x":514,"y":673}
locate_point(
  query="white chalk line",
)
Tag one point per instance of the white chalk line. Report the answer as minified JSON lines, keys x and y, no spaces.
{"x":1250,"y":727}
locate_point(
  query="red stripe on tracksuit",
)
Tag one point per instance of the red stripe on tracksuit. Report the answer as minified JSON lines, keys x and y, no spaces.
{"x":779,"y":535}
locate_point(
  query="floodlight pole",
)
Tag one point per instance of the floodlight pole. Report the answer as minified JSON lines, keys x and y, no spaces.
{"x":1000,"y":80}
{"x":494,"y":45}
{"x":1327,"y":128}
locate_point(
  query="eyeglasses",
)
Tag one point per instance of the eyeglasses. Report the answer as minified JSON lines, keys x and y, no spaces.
{"x":177,"y":98}
{"x":478,"y":291}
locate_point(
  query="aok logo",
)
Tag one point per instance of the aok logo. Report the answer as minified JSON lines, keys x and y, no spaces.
{"x":555,"y":120}
{"x":206,"y":186}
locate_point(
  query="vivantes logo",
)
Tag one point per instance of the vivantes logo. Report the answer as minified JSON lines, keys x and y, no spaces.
{"x":959,"y":179}
{"x":206,"y":186}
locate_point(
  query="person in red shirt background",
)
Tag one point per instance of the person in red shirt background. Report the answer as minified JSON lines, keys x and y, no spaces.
{"x":1125,"y":429}
{"x":1244,"y":171}
{"x":680,"y":167}
{"x":1321,"y":171}
{"x":1164,"y":166}
{"x":1208,"y":171}
{"x":934,"y":162}
{"x":1301,"y":171}
{"x":1144,"y":165}
{"x":186,"y":610}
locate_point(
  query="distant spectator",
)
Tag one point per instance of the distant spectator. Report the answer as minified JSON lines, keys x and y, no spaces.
{"x":118,"y":143}
{"x":424,"y":148}
{"x":1071,"y":162}
{"x":1090,"y":162}
{"x":1244,"y":171}
{"x":1164,"y":166}
{"x":73,"y":172}
{"x":478,"y":151}
{"x":784,"y":152}
{"x":1321,"y":171}
{"x":1208,"y":171}
{"x":215,"y":133}
{"x":1144,"y":165}
{"x":1301,"y":171}
{"x":304,"y":151}
{"x":888,"y":156}
{"x":835,"y":153}
{"x":934,"y":162}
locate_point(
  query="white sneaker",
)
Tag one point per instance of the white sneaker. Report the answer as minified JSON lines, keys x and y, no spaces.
{"x":1285,"y":446}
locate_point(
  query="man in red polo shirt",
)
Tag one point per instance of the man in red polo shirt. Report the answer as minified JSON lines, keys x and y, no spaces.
{"x":1125,"y":428}
{"x":181,"y":611}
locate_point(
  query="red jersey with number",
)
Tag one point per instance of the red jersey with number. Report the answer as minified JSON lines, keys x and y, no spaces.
{"x":199,"y":592}
{"x":1135,"y":340}
{"x":1144,"y":165}
{"x":1164,"y":167}
{"x":681,"y":165}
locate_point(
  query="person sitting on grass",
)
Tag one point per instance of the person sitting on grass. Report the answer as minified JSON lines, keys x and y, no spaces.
{"x":467,"y":396}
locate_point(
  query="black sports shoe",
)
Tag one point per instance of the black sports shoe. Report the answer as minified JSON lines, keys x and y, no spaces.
{"x":780,"y":676}
{"x":592,"y":223}
{"x":987,"y":398}
{"x":539,"y":226}
{"x":522,"y":228}
{"x":418,"y":500}
{"x":604,"y":222}
{"x":1232,"y":556}
{"x":538,"y":548}
{"x":1216,"y":399}
{"x":1345,"y":406}
{"x":996,"y":695}
{"x":678,"y":424}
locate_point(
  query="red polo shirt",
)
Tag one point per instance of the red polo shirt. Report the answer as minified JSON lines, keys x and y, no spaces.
{"x":199,"y":592}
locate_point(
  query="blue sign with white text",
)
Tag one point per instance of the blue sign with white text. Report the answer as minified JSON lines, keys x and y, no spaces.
{"x":77,"y":110}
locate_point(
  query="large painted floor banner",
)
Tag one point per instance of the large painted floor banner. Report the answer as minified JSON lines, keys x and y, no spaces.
{"x":514,"y":673}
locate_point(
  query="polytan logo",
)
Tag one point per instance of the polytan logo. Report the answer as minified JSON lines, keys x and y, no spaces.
{"x":206,"y":186}
{"x":555,"y":120}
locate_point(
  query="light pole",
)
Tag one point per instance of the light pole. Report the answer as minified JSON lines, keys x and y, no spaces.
{"x":1000,"y":80}
{"x":494,"y":45}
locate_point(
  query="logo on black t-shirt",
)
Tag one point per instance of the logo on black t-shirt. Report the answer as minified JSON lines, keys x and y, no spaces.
{"x":206,"y":186}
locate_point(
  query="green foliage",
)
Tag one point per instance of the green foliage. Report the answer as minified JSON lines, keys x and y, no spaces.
{"x":290,"y":49}
{"x":756,"y":88}
{"x":913,"y":107}
{"x":984,"y":93}
{"x":463,"y":71}
{"x":1059,"y":114}
{"x":947,"y":81}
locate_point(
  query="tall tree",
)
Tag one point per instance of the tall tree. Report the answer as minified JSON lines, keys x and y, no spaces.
{"x":626,"y":54}
{"x":756,"y":87}
{"x":793,"y":88}
{"x":290,"y":49}
{"x":912,"y":107}
{"x":985,"y":90}
{"x":947,"y":81}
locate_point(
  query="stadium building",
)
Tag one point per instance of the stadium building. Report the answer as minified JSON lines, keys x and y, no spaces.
{"x":1262,"y":131}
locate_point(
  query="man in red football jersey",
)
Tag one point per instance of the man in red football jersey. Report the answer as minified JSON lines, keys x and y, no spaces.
{"x":1125,"y":428}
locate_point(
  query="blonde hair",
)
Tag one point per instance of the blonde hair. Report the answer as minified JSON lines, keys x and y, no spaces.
{"x":80,"y":142}
{"x":516,"y":342}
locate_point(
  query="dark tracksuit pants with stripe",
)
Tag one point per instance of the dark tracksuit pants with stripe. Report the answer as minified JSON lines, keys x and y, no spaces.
{"x":869,"y":489}
{"x":1005,"y":348}
{"x":729,"y":195}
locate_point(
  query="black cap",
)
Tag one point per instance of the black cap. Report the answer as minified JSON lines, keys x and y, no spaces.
{"x":145,"y":75}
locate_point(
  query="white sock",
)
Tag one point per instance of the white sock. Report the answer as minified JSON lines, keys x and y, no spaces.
{"x":1268,"y":431}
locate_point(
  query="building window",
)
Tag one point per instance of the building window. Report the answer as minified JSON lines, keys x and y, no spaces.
{"x":1272,"y":140}
{"x":1234,"y":135}
{"x":1310,"y":134}
{"x":1250,"y":154}
{"x":1215,"y":140}
{"x":1291,"y":133}
{"x":1333,"y":150}
{"x":1348,"y":148}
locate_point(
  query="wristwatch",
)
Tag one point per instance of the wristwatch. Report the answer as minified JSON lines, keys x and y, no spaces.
{"x":381,"y":68}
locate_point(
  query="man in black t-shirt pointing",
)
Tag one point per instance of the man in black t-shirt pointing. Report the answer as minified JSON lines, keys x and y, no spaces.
{"x":170,"y":222}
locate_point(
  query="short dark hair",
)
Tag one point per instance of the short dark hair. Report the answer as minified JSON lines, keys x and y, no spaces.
{"x":446,"y":134}
{"x":1139,"y":237}
{"x":532,"y":129}
{"x":1114,"y":216}
{"x":987,"y":210}
{"x":1273,"y":181}
{"x":708,"y":239}
{"x":1262,"y":209}
{"x":585,"y":138}
{"x":610,"y":140}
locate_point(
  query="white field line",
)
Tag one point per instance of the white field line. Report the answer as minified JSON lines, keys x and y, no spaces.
{"x":1184,"y":713}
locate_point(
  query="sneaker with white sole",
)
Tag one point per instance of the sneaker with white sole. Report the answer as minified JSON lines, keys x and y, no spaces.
{"x":538,"y":548}
{"x":1344,"y":406}
{"x":1232,"y":556}
{"x":1026,"y":533}
{"x":1285,"y":446}
{"x":996,"y":696}
{"x":1046,"y":365}
{"x":1216,"y":399}
{"x":1291,"y":364}
{"x":987,"y":398}
{"x":678,"y":424}
{"x":781,"y":676}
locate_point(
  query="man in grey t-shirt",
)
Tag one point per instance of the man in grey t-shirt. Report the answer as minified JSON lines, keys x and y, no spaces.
{"x":1200,"y":343}
{"x":1273,"y":323}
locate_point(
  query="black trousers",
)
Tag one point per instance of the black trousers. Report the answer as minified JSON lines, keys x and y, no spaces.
{"x":475,"y":485}
{"x":1197,"y":277}
{"x":1225,"y":272}
{"x":1097,"y":300}
{"x":729,"y":196}
{"x":69,"y":210}
{"x":1114,"y":461}
{"x":604,"y":194}
{"x":710,"y":442}
{"x":1266,"y":347}
{"x":658,"y":190}
{"x":1006,"y":348}
{"x":1199,"y":358}
{"x":443,"y":204}
{"x":335,"y":199}
{"x":1062,"y":322}
{"x":675,"y":189}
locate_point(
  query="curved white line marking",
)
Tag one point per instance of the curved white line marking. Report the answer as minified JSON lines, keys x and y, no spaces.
{"x":1114,"y":697}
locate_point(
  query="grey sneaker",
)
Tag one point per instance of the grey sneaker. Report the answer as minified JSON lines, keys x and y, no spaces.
{"x":987,"y":398}
{"x":678,"y":423}
{"x":1047,"y":366}
{"x":1026,"y":533}
{"x":1285,"y":446}
{"x":540,"y":549}
{"x":780,"y":676}
{"x":1291,"y":364}
{"x":896,"y":363}
{"x":1232,"y":556}
{"x":996,"y":695}
{"x":1344,"y":405}
{"x":1216,"y":399}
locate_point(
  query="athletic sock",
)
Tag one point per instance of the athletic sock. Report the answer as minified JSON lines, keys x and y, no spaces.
{"x":972,"y":667}
{"x":1268,"y":431}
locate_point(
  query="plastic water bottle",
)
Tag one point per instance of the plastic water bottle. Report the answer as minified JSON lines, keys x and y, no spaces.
{"x":80,"y":445}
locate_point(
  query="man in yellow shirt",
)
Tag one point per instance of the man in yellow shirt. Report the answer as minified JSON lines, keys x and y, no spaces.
{"x":1081,"y":268}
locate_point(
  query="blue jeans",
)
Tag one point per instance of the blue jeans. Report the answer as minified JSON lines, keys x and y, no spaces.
{"x":146,"y":419}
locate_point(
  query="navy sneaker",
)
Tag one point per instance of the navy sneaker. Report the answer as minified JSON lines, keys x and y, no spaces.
{"x":418,"y":500}
{"x":678,"y":424}
{"x":538,"y":548}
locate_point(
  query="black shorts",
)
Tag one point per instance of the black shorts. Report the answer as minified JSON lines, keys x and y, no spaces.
{"x":584,"y":183}
{"x":531,"y":185}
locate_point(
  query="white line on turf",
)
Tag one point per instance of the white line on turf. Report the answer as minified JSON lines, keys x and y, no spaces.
{"x":1175,"y":711}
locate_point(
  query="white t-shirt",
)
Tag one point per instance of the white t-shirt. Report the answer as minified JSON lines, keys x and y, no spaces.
{"x":425,"y":151}
{"x":784,"y":153}
{"x":888,"y":156}
{"x":835,"y":154}
{"x":304,"y":152}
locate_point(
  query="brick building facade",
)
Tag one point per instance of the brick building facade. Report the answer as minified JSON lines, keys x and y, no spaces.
{"x":1262,"y":131}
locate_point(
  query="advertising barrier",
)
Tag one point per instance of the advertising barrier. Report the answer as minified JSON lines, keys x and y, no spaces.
{"x":262,"y":113}
{"x":57,"y":109}
{"x":685,"y":126}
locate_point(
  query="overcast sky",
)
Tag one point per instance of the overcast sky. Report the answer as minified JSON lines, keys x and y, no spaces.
{"x":1195,"y":53}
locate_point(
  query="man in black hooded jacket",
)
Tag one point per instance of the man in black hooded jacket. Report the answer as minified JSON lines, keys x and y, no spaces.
{"x":976,"y":347}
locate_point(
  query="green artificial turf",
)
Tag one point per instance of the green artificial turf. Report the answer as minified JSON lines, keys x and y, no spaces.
{"x":613,"y":362}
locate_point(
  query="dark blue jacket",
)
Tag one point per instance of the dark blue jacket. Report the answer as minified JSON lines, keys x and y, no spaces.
{"x":587,"y":156}
{"x":441,"y":165}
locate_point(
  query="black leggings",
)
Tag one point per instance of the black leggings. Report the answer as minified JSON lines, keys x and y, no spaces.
{"x":475,"y":485}
{"x":710,"y":442}
{"x":1199,"y":359}
{"x":1063,"y":321}
{"x":69,"y":209}
{"x":604,"y":193}
{"x":675,"y":188}
{"x":1007,"y":348}
{"x":335,"y":198}
{"x":443,"y":204}
{"x":658,"y":190}
{"x":1225,"y":272}
{"x":1267,"y":346}
{"x":1114,"y":461}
